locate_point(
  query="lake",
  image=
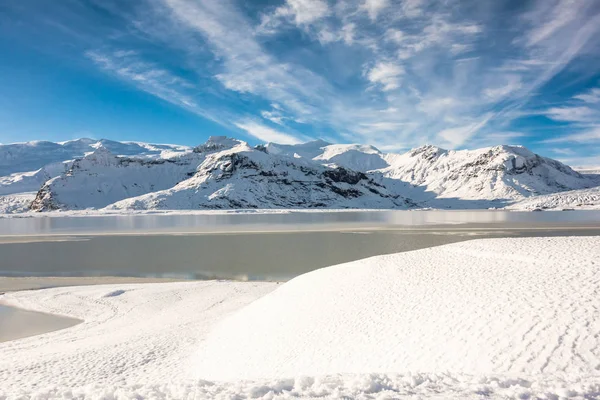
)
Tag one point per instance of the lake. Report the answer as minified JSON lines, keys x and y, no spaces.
{"x":251,"y":246}
{"x":17,"y":323}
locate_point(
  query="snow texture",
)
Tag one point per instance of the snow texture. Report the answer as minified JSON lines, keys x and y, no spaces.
{"x":492,"y":318}
{"x":525,"y":307}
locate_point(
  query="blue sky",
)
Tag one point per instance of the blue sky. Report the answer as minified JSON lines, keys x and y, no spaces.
{"x":393,"y":73}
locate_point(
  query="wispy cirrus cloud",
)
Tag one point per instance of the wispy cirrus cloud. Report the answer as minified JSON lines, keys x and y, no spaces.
{"x":265,"y":133}
{"x":392,"y":73}
{"x":148,"y":77}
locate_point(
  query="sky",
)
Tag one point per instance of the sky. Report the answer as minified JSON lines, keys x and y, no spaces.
{"x":396,"y":74}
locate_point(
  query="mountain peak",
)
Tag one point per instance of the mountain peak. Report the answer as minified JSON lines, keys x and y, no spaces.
{"x":217,"y":143}
{"x":427,"y":151}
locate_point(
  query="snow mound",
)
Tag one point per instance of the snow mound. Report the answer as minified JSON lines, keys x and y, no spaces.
{"x":585,"y":199}
{"x":141,"y":339}
{"x":524,"y":307}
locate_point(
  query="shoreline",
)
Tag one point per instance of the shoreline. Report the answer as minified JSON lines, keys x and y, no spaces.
{"x":11,"y":284}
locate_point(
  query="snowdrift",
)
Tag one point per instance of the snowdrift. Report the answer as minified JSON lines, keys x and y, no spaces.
{"x":518,"y":307}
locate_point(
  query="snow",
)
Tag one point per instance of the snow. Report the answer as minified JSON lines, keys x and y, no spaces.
{"x":246,"y":177}
{"x":585,"y":199}
{"x":101,"y":178}
{"x":16,"y":203}
{"x":520,"y":307}
{"x":143,"y":335}
{"x":492,"y":318}
{"x":92,"y":174}
{"x":31,"y":156}
{"x":500,"y":173}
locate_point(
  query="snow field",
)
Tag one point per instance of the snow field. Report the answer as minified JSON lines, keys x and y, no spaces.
{"x":491,"y":318}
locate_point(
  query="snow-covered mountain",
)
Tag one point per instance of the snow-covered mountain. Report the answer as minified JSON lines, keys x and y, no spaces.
{"x":101,"y":178}
{"x":226,"y":173}
{"x":223,"y":173}
{"x":494,"y":173}
{"x":235,"y":175}
{"x":31,"y":156}
{"x":442,"y":178}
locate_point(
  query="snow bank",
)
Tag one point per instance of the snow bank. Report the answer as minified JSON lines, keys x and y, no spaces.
{"x":142,"y":336}
{"x":517,"y":307}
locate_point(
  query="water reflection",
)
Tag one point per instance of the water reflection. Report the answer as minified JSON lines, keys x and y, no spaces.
{"x":284,"y":221}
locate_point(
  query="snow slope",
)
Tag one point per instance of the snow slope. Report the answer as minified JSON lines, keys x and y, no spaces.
{"x":16,"y":203}
{"x":494,"y":319}
{"x":132,"y":333}
{"x":525,"y":307}
{"x":31,"y":181}
{"x":585,"y":199}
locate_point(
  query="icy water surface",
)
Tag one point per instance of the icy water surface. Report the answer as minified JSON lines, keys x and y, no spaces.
{"x":16,"y":323}
{"x":251,"y":246}
{"x":287,"y":221}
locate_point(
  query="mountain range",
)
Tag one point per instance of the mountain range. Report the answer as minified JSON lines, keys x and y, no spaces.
{"x":226,"y":173}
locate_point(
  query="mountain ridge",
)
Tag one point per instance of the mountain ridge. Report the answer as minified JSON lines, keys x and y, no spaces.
{"x":227,"y":173}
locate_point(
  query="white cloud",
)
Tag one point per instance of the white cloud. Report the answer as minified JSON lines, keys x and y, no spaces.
{"x":374,"y":7}
{"x":412,"y":8}
{"x":266,"y":134}
{"x":302,"y":13}
{"x":412,"y":50}
{"x":387,"y":74}
{"x":550,"y":18}
{"x":247,"y":67}
{"x":591,"y":96}
{"x":513,"y":83}
{"x":149,"y":78}
{"x":305,"y":11}
{"x":573,"y":114}
{"x":456,"y":136}
{"x":585,"y":136}
{"x":395,"y":35}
